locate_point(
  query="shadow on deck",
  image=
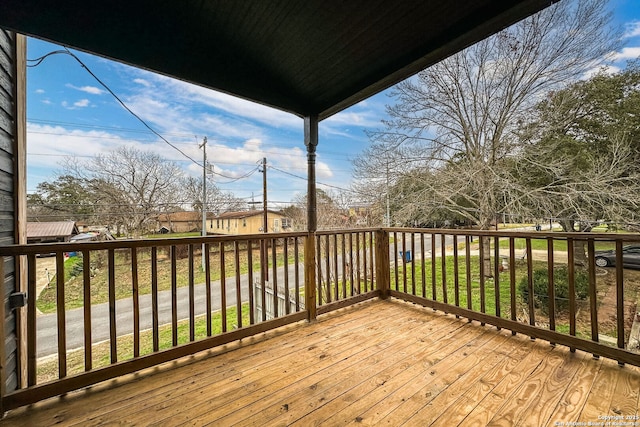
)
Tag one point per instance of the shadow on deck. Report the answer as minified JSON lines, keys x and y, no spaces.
{"x":376,"y":363}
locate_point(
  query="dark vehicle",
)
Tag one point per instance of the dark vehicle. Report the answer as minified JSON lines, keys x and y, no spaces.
{"x":630,"y":257}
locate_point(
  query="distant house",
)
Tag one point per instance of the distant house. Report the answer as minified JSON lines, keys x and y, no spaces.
{"x":248,"y":222}
{"x":49,"y":232}
{"x":179,"y":222}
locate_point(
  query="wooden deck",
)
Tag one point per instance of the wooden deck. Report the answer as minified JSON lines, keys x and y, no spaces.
{"x":377,"y":363}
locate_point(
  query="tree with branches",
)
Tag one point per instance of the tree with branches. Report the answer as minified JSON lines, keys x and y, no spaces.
{"x":458,"y":121}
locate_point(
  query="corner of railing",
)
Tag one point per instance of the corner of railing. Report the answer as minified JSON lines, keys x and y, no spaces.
{"x":310,"y":276}
{"x":382,"y":264}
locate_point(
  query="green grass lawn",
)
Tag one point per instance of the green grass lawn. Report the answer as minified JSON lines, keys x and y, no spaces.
{"x":503,"y":290}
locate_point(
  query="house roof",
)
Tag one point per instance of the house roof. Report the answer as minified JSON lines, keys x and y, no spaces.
{"x":312,"y":57}
{"x":245,"y":214}
{"x":39,"y":230}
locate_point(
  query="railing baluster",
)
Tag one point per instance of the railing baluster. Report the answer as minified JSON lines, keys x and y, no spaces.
{"x":61,"y":314}
{"x":31,"y":320}
{"x":319,"y":276}
{"x":483,"y":302}
{"x":113,"y":336}
{"x":404,"y":262}
{"x":358,"y":263}
{"x":364,"y":261}
{"x":192,"y":297}
{"x":236,"y":251}
{"x":207,"y":285}
{"x":296,"y":271}
{"x":344,"y":266}
{"x":285,"y":253}
{"x":264,"y":267}
{"x":372,"y":260}
{"x":572,"y":288}
{"x":413,"y":263}
{"x":223,"y":287}
{"x":456,"y":271}
{"x":532,"y":313}
{"x":512,"y":279}
{"x":423,"y":265}
{"x":135,"y":290}
{"x":327,"y":267}
{"x":252,"y":317}
{"x":467,"y":248}
{"x":154,"y":298}
{"x":174,"y":296}
{"x":275,"y":277}
{"x":619,"y":294}
{"x":434,"y":294}
{"x":496,"y":274}
{"x":395,"y":259}
{"x":336,"y":283}
{"x":551,"y":284}
{"x":593,"y":294}
{"x":86,"y":305}
{"x":443,"y":266}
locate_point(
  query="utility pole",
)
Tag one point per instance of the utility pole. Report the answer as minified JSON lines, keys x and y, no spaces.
{"x":204,"y":195}
{"x":265,"y":224}
{"x":264,"y":268}
{"x":388,"y":221}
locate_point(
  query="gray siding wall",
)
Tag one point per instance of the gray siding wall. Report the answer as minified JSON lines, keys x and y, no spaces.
{"x":8,"y":136}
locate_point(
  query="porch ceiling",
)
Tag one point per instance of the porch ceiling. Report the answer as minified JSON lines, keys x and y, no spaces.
{"x":313,"y":57}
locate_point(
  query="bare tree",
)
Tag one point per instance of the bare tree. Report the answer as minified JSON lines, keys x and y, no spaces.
{"x":134,"y":186}
{"x":461,"y":117}
{"x":217,"y":201}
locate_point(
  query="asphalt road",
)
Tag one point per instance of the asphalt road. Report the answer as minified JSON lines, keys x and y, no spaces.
{"x":47,"y":326}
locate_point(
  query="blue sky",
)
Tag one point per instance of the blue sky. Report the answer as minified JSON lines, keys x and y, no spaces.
{"x":70,"y":114}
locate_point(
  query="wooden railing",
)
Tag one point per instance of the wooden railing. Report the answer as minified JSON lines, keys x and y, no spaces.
{"x":159,"y":300}
{"x":535,"y":283}
{"x":120,"y":306}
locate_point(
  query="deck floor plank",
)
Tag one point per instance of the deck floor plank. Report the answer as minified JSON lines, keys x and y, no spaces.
{"x":428,"y":362}
{"x":443,"y":374}
{"x":451,"y":407}
{"x":376,"y":363}
{"x":570,"y":406}
{"x":322,"y":387}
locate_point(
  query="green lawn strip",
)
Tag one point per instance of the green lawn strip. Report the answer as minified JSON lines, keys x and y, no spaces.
{"x":48,"y":369}
{"x":99,"y":282}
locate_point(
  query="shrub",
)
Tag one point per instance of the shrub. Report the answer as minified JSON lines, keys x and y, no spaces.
{"x":561,"y":287}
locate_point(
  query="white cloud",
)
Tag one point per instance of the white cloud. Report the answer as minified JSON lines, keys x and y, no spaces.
{"x":81,"y":103}
{"x":626,"y":53}
{"x":142,"y":82}
{"x":182,"y":92}
{"x":606,"y":69}
{"x":46,"y":101}
{"x":632,"y":29}
{"x":39,"y":91}
{"x":87,"y":89}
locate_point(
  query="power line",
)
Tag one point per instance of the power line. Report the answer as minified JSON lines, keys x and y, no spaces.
{"x":321,"y":183}
{"x":38,"y":61}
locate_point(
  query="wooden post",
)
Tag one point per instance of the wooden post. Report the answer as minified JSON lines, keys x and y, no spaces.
{"x":20,"y":197}
{"x":311,"y":142}
{"x":382,"y":263}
